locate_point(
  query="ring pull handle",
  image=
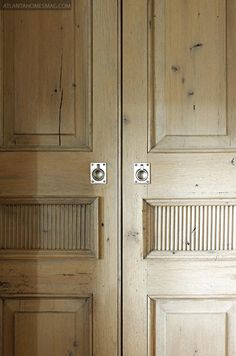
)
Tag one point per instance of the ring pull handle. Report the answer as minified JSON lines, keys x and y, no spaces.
{"x":98,"y":173}
{"x":142,"y":173}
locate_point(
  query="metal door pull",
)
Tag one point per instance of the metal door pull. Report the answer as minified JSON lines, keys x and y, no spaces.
{"x":142,"y":173}
{"x":98,"y":173}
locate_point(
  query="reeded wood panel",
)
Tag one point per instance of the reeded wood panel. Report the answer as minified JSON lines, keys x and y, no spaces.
{"x":192,"y":327}
{"x":47,"y":326}
{"x":48,"y":78}
{"x":191,"y":51}
{"x":173,"y":227}
{"x":49,"y":224}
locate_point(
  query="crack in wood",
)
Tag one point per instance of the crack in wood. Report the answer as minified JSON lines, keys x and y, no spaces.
{"x":60,"y":116}
{"x":61,"y":100}
{"x":61,"y":69}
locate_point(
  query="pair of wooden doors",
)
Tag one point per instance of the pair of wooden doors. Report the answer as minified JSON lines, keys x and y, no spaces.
{"x":121,"y":267}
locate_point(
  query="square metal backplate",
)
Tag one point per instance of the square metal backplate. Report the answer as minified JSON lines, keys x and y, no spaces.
{"x":142,"y":173}
{"x":98,"y":173}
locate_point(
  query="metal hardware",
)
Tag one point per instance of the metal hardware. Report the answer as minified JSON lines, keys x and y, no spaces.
{"x":98,"y":173}
{"x":142,"y":173}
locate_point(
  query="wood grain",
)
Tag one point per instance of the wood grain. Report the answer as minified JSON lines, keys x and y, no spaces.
{"x":28,"y":322}
{"x":44,"y":224}
{"x":198,"y":170}
{"x":192,"y":326}
{"x":189,"y":106}
{"x":189,"y":226}
{"x":48,"y":78}
{"x":37,"y":166}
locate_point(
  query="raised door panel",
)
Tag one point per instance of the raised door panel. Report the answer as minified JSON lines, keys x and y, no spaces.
{"x":47,"y":86}
{"x":195,"y":327}
{"x":191,"y":93}
{"x":47,"y":326}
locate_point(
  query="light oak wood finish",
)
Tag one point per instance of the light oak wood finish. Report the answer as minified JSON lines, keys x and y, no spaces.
{"x":45,"y":326}
{"x":55,"y":108}
{"x":190,"y":107}
{"x":50,"y":224}
{"x":69,"y":54}
{"x":209,"y":324}
{"x":172,"y":227}
{"x":175,"y":304}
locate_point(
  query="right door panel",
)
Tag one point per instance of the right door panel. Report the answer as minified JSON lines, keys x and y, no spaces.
{"x":180,"y":230}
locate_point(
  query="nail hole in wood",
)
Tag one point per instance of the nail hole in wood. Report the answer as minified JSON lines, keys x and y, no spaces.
{"x":190,"y":93}
{"x":175,"y":68}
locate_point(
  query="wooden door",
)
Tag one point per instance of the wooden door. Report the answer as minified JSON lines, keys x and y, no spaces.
{"x":59,"y":232}
{"x":180,"y":230}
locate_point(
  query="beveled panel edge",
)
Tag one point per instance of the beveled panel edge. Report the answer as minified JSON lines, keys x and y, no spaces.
{"x":86,"y":310}
{"x":56,"y":296}
{"x":152,"y":301}
{"x":150,"y":77}
{"x":151,"y":326}
{"x":84,"y":148}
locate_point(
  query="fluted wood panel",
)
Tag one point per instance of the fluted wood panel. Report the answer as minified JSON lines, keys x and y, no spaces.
{"x":184,"y":226}
{"x":65,"y":224}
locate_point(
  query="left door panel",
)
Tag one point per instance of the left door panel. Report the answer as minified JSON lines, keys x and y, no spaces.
{"x":58,"y":232}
